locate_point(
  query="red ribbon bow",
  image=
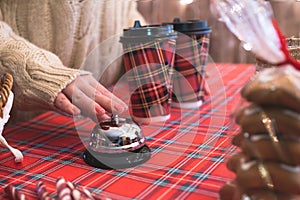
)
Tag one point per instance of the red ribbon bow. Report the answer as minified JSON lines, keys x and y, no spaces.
{"x":284,"y":48}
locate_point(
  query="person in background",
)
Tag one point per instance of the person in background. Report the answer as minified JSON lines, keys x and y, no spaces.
{"x":43,"y":44}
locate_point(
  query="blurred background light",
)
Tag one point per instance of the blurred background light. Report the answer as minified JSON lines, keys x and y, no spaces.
{"x":186,"y":2}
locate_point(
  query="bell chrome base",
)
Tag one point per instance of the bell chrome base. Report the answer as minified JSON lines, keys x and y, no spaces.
{"x":122,"y":160}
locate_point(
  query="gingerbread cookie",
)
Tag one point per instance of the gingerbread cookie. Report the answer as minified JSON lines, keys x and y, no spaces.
{"x":255,"y":119}
{"x":276,"y":87}
{"x":262,"y":147}
{"x":254,"y":174}
{"x":231,"y":191}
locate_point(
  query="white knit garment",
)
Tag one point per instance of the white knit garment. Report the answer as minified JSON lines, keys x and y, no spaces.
{"x":42,"y":42}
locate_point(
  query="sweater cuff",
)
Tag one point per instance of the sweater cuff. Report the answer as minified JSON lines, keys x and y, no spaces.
{"x":39,"y":75}
{"x":36,"y":85}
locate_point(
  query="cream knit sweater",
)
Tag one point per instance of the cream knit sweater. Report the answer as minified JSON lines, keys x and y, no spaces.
{"x":43,"y":43}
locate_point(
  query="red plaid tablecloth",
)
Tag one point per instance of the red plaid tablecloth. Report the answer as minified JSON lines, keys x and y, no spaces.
{"x":189,"y":151}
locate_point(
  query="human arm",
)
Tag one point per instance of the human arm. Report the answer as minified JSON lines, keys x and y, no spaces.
{"x":43,"y":82}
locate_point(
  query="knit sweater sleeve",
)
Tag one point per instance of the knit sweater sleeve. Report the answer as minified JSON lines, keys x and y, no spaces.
{"x":39,"y":75}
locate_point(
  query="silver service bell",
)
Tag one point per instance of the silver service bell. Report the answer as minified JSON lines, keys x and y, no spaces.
{"x":116,"y":143}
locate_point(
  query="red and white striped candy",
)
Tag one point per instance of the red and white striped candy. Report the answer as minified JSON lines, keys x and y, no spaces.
{"x":42,"y":191}
{"x":13,"y":193}
{"x":63,"y":191}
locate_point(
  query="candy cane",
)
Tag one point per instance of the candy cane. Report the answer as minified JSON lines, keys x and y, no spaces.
{"x":13,"y":193}
{"x":42,"y":191}
{"x":76,"y":194}
{"x":87,"y":193}
{"x":63,"y":191}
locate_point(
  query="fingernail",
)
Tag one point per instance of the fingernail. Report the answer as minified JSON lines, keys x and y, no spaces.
{"x":120,"y":108}
{"x":76,"y":111}
{"x":99,"y":110}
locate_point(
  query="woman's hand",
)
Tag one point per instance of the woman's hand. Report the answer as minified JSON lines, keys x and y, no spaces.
{"x":86,"y":96}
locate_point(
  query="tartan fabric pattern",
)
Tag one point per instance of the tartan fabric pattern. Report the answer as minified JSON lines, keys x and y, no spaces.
{"x":188,"y":151}
{"x":189,"y":67}
{"x":149,"y":75}
{"x":154,"y":101}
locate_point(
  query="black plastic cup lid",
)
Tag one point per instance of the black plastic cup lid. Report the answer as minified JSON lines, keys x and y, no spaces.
{"x":146,"y":33}
{"x":189,"y":26}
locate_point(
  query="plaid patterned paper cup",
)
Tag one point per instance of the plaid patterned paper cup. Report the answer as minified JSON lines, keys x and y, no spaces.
{"x":190,"y":62}
{"x":149,"y":53}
